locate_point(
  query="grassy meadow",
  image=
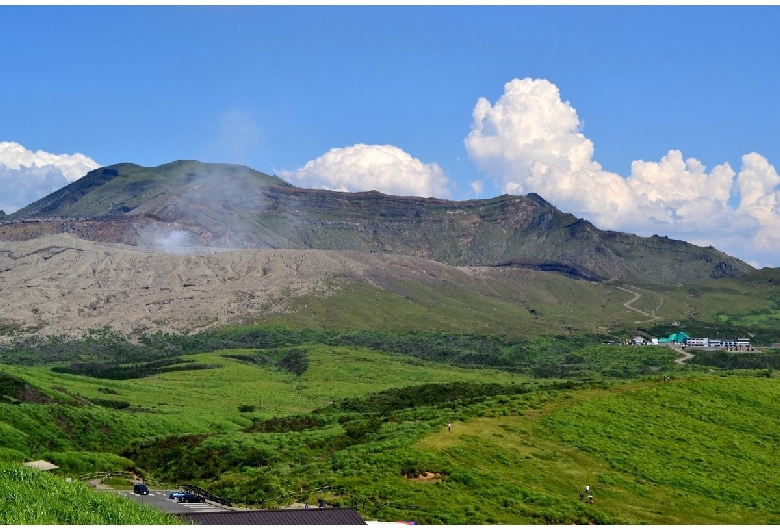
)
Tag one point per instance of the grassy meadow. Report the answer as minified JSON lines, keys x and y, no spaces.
{"x":31,"y":497}
{"x":360,"y":419}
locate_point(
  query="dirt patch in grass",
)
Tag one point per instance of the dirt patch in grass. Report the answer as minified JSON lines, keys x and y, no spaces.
{"x":427,"y":476}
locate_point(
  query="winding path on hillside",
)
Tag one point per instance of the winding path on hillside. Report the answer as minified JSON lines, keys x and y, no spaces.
{"x":651,"y":316}
{"x":685,"y":356}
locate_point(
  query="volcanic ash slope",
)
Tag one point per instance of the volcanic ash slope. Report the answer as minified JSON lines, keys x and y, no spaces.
{"x":61,"y":284}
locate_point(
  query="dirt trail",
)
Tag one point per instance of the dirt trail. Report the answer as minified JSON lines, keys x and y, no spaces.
{"x":651,"y":316}
{"x":685,"y":356}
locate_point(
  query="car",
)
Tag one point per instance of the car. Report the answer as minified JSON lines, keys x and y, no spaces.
{"x":141,"y":489}
{"x":190,"y":497}
{"x":175,"y":494}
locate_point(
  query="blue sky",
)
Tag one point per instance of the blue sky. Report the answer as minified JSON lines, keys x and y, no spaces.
{"x":454,"y":102}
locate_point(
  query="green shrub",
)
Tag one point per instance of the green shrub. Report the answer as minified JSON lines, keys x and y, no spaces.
{"x":82,"y":462}
{"x":12,"y":455}
{"x":286,"y":424}
{"x":117,"y":404}
{"x":295,"y":361}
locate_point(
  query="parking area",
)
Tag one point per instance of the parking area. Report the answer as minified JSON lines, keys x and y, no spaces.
{"x":159,"y":499}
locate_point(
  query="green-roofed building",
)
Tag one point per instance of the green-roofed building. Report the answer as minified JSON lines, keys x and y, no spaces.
{"x":677,"y":338}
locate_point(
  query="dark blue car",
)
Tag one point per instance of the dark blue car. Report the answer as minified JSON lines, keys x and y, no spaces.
{"x":141,"y":489}
{"x":190,"y":497}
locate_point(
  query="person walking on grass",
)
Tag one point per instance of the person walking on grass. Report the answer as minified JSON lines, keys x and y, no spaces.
{"x":449,"y":426}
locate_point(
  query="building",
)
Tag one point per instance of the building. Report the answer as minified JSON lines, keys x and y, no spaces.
{"x":703,"y":342}
{"x":674,"y":338}
{"x":737,"y":344}
{"x":313,"y":516}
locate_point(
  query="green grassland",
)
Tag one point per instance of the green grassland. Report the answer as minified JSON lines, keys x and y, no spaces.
{"x":556,"y":305}
{"x":531,"y":304}
{"x":213,"y":396}
{"x":359,"y":418}
{"x":644,"y":449}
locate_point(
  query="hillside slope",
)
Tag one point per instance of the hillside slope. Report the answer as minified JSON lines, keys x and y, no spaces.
{"x":61,"y":283}
{"x":32,"y":497}
{"x":185,"y":205}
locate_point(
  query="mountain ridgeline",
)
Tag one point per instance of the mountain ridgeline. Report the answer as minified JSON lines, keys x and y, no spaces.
{"x":190,"y":205}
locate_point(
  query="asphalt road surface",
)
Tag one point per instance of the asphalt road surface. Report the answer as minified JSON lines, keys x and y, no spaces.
{"x":159,"y":499}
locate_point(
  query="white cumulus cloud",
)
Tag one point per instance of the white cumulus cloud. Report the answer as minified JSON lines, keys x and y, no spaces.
{"x":530,"y":140}
{"x":26,"y":176}
{"x":529,"y":124}
{"x":362,"y":167}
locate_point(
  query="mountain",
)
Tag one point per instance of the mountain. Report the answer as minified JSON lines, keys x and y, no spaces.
{"x":59,"y":283}
{"x":189,"y":206}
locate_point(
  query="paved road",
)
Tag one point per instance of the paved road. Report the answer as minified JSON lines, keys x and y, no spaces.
{"x":159,"y":499}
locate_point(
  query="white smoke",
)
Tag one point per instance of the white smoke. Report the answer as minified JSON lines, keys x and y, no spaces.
{"x":175,"y":242}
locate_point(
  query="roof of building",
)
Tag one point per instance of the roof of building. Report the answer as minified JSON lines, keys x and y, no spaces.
{"x":312,"y":516}
{"x":43,"y":465}
{"x":675,"y":337}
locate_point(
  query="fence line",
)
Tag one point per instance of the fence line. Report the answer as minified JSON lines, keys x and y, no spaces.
{"x":103,"y":475}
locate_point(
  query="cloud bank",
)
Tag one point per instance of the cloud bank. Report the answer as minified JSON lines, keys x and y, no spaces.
{"x":361,"y":167}
{"x":26,"y":176}
{"x":530,"y":140}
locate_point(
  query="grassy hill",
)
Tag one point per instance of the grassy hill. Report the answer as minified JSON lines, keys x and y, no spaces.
{"x":693,"y":451}
{"x":228,"y":206}
{"x":32,"y":497}
{"x":359,"y":418}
